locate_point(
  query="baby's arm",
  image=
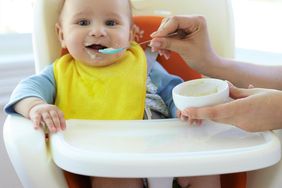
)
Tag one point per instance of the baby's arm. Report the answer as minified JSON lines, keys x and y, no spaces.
{"x":24,"y":106}
{"x":34,"y":92}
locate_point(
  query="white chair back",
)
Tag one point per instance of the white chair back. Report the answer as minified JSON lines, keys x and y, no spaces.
{"x":217,"y":12}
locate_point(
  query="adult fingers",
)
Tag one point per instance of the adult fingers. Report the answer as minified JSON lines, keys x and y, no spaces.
{"x":250,"y":86}
{"x":184,"y":118}
{"x":165,"y":53}
{"x":168,"y":25}
{"x":171,"y":24}
{"x":172,"y":44}
{"x":217,"y":112}
{"x":189,"y":120}
{"x":237,"y":93}
{"x":178,"y":113}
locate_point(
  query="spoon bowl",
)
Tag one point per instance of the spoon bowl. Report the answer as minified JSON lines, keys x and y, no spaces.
{"x":111,"y":50}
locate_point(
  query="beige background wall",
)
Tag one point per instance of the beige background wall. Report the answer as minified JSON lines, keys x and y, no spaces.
{"x":9,"y":77}
{"x":8,"y":177}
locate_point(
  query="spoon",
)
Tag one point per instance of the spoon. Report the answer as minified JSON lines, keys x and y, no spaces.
{"x":180,"y":32}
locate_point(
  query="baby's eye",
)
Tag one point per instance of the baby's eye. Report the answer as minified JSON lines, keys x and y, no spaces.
{"x":83,"y":22}
{"x":110,"y":22}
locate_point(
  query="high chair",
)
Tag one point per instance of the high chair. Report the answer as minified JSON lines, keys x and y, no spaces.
{"x":31,"y":155}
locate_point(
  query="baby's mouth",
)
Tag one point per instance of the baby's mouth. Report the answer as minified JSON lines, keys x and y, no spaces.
{"x":93,"y":50}
{"x":95,"y":47}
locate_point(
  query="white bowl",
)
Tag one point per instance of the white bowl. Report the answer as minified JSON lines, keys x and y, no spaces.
{"x":200,"y":92}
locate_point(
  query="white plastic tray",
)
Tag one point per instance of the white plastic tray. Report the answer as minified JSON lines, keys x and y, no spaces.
{"x":160,"y":148}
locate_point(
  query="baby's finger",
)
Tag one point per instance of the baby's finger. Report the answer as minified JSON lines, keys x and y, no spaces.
{"x":56,"y":120}
{"x":62,"y":120}
{"x":36,"y":119}
{"x":48,"y":121}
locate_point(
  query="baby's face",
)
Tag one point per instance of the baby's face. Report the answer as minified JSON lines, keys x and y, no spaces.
{"x":89,"y":25}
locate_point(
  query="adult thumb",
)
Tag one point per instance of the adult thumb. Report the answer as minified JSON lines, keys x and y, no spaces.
{"x":172,"y":44}
{"x":237,"y":93}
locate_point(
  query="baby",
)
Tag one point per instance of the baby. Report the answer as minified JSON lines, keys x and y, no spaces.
{"x":86,"y":84}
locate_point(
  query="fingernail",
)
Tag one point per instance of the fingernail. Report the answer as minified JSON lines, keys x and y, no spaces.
{"x":166,"y":56}
{"x":153,"y":34}
{"x":184,"y":113}
{"x":155,"y":44}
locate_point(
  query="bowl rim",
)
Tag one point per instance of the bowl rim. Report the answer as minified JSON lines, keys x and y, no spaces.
{"x":222,"y":90}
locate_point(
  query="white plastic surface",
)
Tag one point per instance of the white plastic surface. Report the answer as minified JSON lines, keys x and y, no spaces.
{"x":267,"y":177}
{"x":30,"y":155}
{"x":160,"y":148}
{"x":20,"y":137}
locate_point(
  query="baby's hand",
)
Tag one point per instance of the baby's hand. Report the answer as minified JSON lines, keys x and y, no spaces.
{"x":47,"y":115}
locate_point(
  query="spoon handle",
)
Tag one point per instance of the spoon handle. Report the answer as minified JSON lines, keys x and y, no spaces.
{"x":179,"y":32}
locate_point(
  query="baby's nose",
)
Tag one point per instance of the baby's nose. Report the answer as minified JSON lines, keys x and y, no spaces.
{"x":97,"y":32}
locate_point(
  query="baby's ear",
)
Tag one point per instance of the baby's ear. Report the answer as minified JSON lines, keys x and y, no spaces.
{"x":60,"y":34}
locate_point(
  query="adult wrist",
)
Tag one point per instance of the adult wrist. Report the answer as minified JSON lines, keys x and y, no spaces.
{"x":212,"y":65}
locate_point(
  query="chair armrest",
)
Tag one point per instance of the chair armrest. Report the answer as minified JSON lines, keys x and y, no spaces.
{"x":267,"y":177}
{"x":29,"y":154}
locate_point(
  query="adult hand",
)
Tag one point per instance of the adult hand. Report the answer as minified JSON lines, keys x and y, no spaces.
{"x":253,"y":109}
{"x":195,"y":48}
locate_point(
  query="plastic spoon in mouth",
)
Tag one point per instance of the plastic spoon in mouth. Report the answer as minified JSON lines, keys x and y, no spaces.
{"x":180,"y":32}
{"x":110,"y":50}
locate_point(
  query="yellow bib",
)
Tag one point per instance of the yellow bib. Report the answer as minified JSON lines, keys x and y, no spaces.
{"x":113,"y":92}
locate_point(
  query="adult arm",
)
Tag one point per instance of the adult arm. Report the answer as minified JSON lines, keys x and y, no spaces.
{"x":196,"y":50}
{"x":253,"y":110}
